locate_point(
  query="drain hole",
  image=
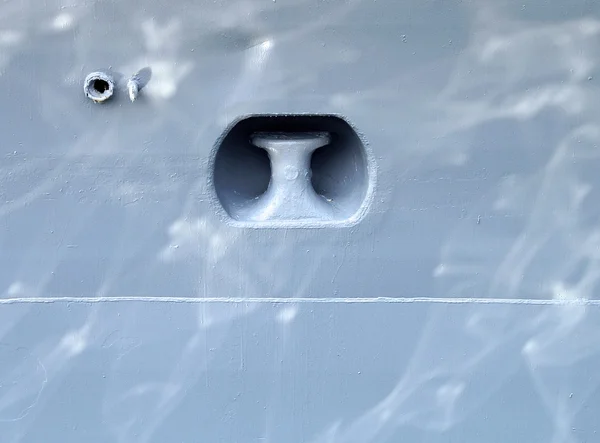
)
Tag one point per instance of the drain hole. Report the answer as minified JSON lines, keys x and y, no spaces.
{"x":98,"y":86}
{"x":101,"y":86}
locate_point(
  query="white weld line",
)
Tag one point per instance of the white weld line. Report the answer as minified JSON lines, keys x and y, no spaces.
{"x":292,"y":300}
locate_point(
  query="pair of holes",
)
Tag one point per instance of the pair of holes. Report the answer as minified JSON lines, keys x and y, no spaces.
{"x":99,"y":86}
{"x":339,"y":171}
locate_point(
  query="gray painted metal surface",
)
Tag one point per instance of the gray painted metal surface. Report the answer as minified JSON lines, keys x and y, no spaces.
{"x":460,"y":305}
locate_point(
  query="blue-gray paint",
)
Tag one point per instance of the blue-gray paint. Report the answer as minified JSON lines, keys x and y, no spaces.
{"x":479,"y":124}
{"x":98,"y":86}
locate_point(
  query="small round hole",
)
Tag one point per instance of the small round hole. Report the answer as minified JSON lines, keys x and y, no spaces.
{"x":98,"y":86}
{"x":101,"y":86}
